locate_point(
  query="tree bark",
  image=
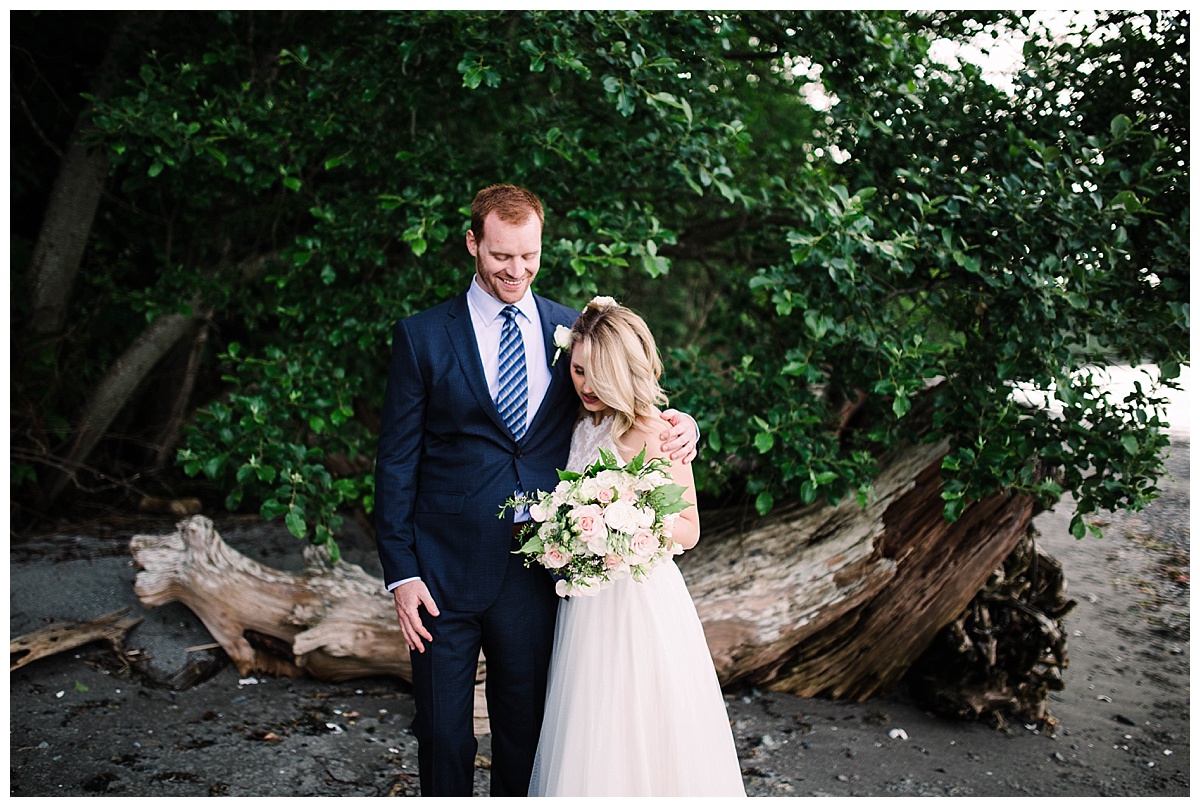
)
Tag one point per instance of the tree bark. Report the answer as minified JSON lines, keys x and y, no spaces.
{"x":118,"y":386}
{"x":169,"y":436}
{"x":817,"y":601}
{"x":840,"y":601}
{"x":64,"y":234}
{"x":63,"y":636}
{"x":74,"y":200}
{"x":334,"y":622}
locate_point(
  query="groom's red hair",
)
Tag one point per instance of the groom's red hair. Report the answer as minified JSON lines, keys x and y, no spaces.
{"x":511,"y":203}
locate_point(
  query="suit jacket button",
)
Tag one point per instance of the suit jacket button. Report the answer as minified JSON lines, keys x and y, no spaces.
{"x":518,"y":453}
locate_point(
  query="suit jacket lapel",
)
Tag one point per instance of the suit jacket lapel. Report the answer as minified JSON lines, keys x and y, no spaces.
{"x":558,"y":373}
{"x":462,"y":336}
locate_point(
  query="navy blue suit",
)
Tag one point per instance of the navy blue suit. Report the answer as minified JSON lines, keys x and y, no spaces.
{"x":446,"y":463}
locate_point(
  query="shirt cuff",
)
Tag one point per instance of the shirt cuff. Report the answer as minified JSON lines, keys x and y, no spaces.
{"x":399,"y":583}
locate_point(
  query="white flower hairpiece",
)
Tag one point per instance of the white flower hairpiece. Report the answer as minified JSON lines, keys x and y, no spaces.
{"x":562,"y":334}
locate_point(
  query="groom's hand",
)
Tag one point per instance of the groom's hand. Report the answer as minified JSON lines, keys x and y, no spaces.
{"x":679,"y":442}
{"x":409,"y":598}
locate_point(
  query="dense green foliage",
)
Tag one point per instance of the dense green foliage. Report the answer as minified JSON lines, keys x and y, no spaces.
{"x":807,"y":208}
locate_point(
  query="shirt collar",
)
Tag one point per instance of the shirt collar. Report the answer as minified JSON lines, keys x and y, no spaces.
{"x":488,"y":307}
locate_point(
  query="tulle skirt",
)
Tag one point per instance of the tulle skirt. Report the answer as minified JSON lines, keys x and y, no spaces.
{"x":634,"y":707}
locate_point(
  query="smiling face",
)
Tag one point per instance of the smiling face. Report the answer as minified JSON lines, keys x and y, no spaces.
{"x":507,"y":257}
{"x":579,"y":377}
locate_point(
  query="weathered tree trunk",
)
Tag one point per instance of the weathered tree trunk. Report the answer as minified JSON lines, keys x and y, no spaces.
{"x":130,"y":369}
{"x":833,"y":601}
{"x":74,"y":200}
{"x":840,"y":601}
{"x":64,"y":234}
{"x":1003,"y":656}
{"x":334,"y":622}
{"x":168,"y":437}
{"x":118,"y":386}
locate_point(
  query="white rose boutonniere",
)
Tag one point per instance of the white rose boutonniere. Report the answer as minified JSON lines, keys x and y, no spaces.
{"x":562,"y":341}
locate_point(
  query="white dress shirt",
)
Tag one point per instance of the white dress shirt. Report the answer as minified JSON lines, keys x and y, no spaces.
{"x":485,"y":317}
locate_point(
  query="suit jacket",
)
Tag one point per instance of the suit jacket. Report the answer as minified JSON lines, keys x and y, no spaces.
{"x":446,"y":461}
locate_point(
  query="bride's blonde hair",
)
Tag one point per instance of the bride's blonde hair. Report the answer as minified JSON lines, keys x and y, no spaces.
{"x":620,"y":361}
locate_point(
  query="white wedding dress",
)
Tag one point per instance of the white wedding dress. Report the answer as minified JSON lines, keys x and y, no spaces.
{"x":633,"y":706}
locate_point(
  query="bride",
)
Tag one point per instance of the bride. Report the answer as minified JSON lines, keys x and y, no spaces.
{"x":633,"y":707}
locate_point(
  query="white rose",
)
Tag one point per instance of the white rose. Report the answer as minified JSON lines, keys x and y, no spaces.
{"x":589,"y":489}
{"x":622,"y":517}
{"x":612,"y":479}
{"x":549,"y":531}
{"x":562,"y":337}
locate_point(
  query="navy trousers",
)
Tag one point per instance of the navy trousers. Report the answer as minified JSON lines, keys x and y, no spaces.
{"x":516,"y":635}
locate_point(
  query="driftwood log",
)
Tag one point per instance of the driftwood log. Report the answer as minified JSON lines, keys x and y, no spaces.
{"x":63,"y":636}
{"x":836,"y":601}
{"x":333,"y":621}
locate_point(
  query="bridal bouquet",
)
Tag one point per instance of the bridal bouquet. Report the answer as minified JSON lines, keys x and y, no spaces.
{"x":611,"y":521}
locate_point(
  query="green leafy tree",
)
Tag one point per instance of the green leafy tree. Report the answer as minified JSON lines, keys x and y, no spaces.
{"x":816,"y":217}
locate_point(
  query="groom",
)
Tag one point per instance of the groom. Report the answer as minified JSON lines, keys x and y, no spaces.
{"x":473,"y":413}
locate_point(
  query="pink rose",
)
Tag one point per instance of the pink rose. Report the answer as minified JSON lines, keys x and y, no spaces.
{"x":589,"y":523}
{"x":604,"y":495}
{"x":554,"y":558}
{"x":643,"y":543}
{"x":612,"y":561}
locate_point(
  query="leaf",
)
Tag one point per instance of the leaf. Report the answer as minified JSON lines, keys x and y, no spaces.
{"x":212,"y":468}
{"x":953,"y":509}
{"x":1130,"y":443}
{"x":764,"y":503}
{"x":295,"y":522}
{"x":1120,"y":126}
{"x":635,"y":464}
{"x":1078,"y":529}
{"x":473,"y":77}
{"x":764,"y":442}
{"x":271,"y":509}
{"x":291,"y":183}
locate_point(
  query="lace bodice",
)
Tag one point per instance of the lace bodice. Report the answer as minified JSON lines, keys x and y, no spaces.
{"x":586,"y":442}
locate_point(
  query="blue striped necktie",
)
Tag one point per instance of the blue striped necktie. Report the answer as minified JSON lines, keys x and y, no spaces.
{"x":513,"y":400}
